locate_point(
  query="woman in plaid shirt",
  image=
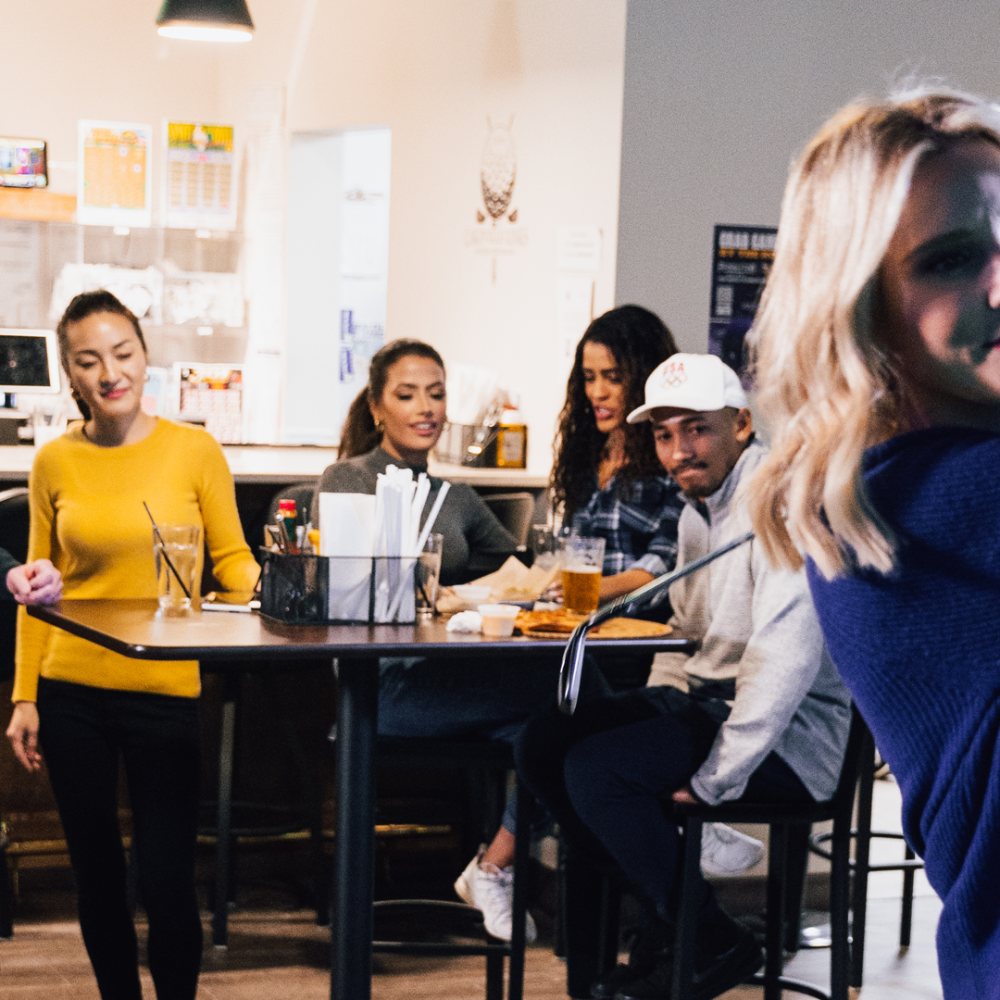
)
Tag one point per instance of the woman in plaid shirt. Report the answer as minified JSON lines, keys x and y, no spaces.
{"x":607,"y":481}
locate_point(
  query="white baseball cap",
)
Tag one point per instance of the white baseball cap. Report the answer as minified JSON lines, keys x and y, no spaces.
{"x":691,"y":382}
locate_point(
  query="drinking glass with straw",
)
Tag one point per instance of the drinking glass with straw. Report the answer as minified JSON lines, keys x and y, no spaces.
{"x":175,"y":547}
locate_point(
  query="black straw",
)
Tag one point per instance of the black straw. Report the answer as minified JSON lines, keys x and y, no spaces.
{"x":163,"y":550}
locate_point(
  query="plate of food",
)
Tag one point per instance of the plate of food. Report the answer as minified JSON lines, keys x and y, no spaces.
{"x":560,"y":624}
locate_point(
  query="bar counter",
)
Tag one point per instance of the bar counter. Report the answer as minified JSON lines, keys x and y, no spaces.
{"x":282,"y":464}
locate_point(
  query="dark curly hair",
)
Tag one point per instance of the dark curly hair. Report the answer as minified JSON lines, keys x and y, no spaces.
{"x":359,"y":434}
{"x":638,"y":341}
{"x":89,"y":304}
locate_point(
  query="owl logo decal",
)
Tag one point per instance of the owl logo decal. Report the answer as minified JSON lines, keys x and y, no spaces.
{"x":498,"y":173}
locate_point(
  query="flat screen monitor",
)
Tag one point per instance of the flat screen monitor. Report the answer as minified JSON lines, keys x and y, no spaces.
{"x":23,"y":163}
{"x":29,"y":361}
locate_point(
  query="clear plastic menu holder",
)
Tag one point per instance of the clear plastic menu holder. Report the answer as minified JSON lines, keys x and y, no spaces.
{"x":337,"y":590}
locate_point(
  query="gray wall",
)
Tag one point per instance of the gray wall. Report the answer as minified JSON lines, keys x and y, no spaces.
{"x":719,"y":97}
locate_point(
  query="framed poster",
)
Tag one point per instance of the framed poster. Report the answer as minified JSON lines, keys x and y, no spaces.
{"x":741,"y":261}
{"x":212,"y":394}
{"x":113,"y":178}
{"x":199,"y":182}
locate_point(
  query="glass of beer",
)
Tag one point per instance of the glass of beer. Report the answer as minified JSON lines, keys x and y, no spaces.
{"x":582,"y":559}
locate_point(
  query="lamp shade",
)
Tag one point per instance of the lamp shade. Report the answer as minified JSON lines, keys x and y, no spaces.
{"x":206,"y":20}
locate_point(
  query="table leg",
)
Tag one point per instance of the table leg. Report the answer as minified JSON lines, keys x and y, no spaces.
{"x":354,"y":871}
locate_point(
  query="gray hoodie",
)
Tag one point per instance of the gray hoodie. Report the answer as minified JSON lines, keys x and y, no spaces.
{"x":761,"y":649}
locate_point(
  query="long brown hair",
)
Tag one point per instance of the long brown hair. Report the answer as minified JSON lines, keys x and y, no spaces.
{"x":359,"y":434}
{"x":89,"y":304}
{"x":638,"y":341}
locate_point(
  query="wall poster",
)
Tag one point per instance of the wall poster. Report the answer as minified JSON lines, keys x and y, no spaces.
{"x":200,"y":177}
{"x":113,"y":179}
{"x":214,"y":394}
{"x":741,"y":262}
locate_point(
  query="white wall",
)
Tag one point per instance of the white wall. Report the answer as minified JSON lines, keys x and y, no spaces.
{"x":719,"y":97}
{"x":430,"y":70}
{"x":101,"y":59}
{"x":433,"y":72}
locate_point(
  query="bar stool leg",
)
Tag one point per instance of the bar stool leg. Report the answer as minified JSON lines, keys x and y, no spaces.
{"x":777,"y":869}
{"x":6,"y":892}
{"x":223,"y":822}
{"x":611,"y":907}
{"x":559,"y":941}
{"x":581,"y":922}
{"x":795,"y":883}
{"x":519,"y":904}
{"x":494,"y":976}
{"x":841,"y":952}
{"x":687,"y":912}
{"x":862,"y":856}
{"x":906,"y":918}
{"x":311,"y":806}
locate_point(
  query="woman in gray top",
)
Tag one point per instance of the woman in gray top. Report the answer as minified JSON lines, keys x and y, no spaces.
{"x":396,"y":420}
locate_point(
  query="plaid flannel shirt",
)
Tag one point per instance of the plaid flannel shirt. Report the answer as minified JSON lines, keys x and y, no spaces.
{"x":638,"y":522}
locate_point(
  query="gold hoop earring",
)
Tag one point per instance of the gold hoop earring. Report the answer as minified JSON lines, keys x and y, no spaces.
{"x":380,"y":426}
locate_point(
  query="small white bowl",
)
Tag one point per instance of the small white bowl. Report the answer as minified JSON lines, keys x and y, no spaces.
{"x":471,"y":594}
{"x":498,"y":619}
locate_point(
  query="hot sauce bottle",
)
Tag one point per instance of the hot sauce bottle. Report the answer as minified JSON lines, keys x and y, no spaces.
{"x":286,"y":519}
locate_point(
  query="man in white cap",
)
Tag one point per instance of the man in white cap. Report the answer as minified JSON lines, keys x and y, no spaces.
{"x":758,"y":711}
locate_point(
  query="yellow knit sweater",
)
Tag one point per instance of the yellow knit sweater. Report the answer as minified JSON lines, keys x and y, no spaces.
{"x":87,"y":517}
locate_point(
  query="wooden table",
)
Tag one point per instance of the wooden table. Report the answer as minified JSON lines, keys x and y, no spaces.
{"x":133,"y":628}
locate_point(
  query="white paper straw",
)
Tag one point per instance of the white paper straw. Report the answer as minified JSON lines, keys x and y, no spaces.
{"x":421,"y":542}
{"x":432,"y":516}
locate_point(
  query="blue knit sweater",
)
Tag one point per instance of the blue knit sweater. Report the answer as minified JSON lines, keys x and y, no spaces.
{"x":920,"y":651}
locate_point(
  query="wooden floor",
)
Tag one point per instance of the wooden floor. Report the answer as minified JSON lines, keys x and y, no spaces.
{"x":277,"y":951}
{"x":284,"y":955}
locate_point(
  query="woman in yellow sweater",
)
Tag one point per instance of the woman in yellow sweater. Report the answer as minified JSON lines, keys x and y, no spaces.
{"x":87,"y":707}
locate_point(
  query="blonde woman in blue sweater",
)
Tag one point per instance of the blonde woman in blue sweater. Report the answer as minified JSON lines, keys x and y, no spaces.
{"x":878,"y":352}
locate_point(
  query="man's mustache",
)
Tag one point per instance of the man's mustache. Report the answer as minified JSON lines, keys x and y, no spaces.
{"x":687,"y":467}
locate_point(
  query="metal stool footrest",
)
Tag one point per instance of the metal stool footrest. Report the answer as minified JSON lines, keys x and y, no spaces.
{"x":817,"y":840}
{"x":795,"y":985}
{"x":447,"y":913}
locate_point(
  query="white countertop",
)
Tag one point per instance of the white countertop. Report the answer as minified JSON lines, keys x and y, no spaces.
{"x":293,"y":463}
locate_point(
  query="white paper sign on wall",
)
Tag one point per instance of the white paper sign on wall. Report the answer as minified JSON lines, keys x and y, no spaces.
{"x":579,"y":248}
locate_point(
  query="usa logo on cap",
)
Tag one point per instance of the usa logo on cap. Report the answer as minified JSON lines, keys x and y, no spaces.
{"x":673,"y":374}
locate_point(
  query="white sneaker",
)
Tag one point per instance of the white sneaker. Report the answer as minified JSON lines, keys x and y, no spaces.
{"x":725,"y":851}
{"x":491,"y":890}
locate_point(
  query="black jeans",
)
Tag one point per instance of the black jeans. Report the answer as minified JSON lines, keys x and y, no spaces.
{"x":602,"y":772}
{"x":83,"y":733}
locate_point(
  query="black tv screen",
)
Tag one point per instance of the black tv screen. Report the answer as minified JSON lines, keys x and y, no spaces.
{"x":23,"y":163}
{"x":29,"y":361}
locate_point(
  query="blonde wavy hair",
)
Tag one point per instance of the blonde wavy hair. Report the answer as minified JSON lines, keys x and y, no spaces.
{"x":829,"y":386}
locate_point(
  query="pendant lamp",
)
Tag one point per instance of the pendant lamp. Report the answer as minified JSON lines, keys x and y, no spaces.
{"x":206,"y":20}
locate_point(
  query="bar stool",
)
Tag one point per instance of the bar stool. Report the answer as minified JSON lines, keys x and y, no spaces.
{"x":234,"y":819}
{"x":483,"y":757}
{"x":780,"y":819}
{"x":863,"y":835}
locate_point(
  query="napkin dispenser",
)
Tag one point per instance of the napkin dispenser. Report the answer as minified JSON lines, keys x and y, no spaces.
{"x":338,"y":590}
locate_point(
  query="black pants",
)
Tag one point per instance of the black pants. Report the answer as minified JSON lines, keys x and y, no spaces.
{"x":83,"y":733}
{"x":602,"y":773}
